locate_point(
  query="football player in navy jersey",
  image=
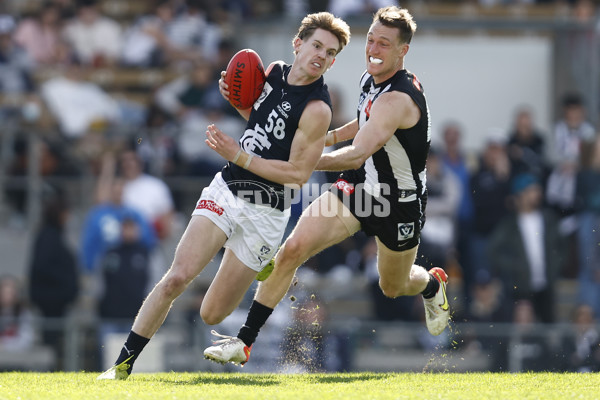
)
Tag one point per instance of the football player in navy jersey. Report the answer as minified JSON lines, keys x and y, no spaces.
{"x":381,"y":191}
{"x":246,"y":207}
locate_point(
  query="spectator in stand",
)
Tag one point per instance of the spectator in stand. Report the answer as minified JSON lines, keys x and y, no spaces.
{"x":147,"y":194}
{"x":526,"y":146}
{"x":195,"y":154}
{"x":488,"y":304}
{"x":102,"y":229}
{"x":15,"y":64}
{"x":162,"y":148}
{"x":455,"y":160}
{"x":146,"y":42}
{"x":438,"y":236}
{"x":77,"y":104}
{"x":571,"y":133}
{"x":191,"y":92}
{"x":53,"y":275}
{"x":16,"y":321}
{"x":195,"y":102}
{"x":40,"y":35}
{"x":68,"y":8}
{"x":95,"y":39}
{"x":52,"y":160}
{"x":125,"y":278}
{"x":529,"y":349}
{"x":588,"y":232}
{"x":581,"y":345}
{"x":490,"y":185}
{"x":488,"y":300}
{"x":125,"y":274}
{"x":193,"y":35}
{"x":527,"y":251}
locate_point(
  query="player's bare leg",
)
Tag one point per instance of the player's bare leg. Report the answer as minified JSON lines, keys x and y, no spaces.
{"x":324,"y":223}
{"x":200,"y":242}
{"x":398,"y":276}
{"x":227,"y":290}
{"x":321,"y":225}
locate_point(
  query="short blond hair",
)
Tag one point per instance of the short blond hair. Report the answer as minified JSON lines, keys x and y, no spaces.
{"x":326,"y":21}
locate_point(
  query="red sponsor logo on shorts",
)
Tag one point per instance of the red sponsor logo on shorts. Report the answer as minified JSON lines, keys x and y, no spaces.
{"x":344,"y":186}
{"x":211,"y":206}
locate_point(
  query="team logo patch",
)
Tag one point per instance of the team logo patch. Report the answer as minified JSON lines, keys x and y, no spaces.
{"x":211,"y":206}
{"x":344,"y":186}
{"x":286,"y":106}
{"x":406,"y":230}
{"x":264,"y":250}
{"x":264,"y":253}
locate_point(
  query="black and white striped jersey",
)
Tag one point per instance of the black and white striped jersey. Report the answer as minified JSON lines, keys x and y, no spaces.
{"x":400,"y":163}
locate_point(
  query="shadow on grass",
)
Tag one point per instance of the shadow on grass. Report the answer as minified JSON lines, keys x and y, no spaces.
{"x":335,"y":378}
{"x":272,"y":380}
{"x":233,"y":379}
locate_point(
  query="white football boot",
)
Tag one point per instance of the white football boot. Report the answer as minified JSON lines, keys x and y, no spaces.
{"x":437,"y":308}
{"x":117,"y":372}
{"x":228,"y":349}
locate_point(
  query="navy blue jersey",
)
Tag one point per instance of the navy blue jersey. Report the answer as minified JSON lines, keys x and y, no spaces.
{"x":270,"y":131}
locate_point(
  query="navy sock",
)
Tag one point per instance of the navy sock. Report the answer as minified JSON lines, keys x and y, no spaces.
{"x":432,"y":287}
{"x":131,"y":349}
{"x":257,"y":316}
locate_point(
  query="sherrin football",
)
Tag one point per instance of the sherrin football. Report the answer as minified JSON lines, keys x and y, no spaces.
{"x":245,"y":77}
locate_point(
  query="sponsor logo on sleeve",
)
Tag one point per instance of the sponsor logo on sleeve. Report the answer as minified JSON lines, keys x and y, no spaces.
{"x":211,"y":206}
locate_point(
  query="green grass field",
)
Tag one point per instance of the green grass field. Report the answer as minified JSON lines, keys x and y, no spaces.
{"x":421,"y":386}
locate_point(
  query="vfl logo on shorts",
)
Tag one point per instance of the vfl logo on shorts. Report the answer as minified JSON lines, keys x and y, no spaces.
{"x":264,"y":253}
{"x":210,"y":205}
{"x":406,"y":230}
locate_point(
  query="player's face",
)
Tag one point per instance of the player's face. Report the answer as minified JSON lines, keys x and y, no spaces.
{"x":384,"y":52}
{"x":315,"y":54}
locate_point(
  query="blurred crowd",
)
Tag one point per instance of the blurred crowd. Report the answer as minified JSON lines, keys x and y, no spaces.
{"x":508,"y":223}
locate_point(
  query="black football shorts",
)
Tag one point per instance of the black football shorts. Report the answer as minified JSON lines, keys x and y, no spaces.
{"x":396,"y":222}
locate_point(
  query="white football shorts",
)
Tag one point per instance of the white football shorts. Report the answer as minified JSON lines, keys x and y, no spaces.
{"x":254,"y":231}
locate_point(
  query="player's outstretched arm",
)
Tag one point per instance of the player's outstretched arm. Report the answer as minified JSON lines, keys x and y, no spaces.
{"x":343,"y":133}
{"x":390,"y":112}
{"x":305,"y":152}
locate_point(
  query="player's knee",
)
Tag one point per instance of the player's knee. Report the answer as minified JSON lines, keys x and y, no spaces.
{"x":173,"y":284}
{"x":392,"y":290}
{"x":292,"y":254}
{"x":210,"y":316}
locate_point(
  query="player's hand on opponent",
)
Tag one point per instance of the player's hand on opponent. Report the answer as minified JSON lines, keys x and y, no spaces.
{"x":220,"y":142}
{"x":223,"y":87}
